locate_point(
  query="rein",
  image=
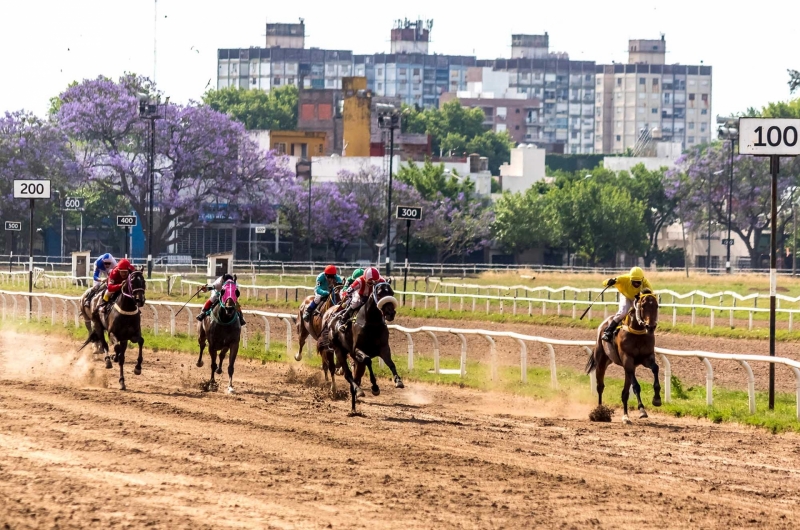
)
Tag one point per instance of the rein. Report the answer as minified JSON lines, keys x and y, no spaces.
{"x":637,"y":312}
{"x":220,"y":322}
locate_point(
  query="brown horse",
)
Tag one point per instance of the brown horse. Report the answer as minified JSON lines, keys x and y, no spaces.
{"x":634,"y":345}
{"x":313,"y":327}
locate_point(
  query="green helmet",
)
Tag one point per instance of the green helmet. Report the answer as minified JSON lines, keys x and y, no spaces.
{"x":357,"y":274}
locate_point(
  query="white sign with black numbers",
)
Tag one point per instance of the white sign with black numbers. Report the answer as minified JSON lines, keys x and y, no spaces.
{"x":769,"y":136}
{"x":31,"y":189}
{"x":14,"y":226}
{"x":126,"y":220}
{"x":409,"y":213}
{"x":261,"y":230}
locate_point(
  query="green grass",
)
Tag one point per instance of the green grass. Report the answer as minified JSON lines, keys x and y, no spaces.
{"x":729,"y":405}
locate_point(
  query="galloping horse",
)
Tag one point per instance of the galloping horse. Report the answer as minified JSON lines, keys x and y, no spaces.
{"x":314,"y":326}
{"x":367,"y":338}
{"x":633,"y":346}
{"x":123,"y":322}
{"x":222,"y":330}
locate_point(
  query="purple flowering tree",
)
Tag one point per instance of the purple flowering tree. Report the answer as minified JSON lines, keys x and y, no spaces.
{"x":457,"y":227}
{"x":206,"y":166}
{"x":700,"y":185}
{"x":32,"y":148}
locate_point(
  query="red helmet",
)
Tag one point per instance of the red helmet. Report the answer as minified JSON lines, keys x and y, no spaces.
{"x":124,"y":264}
{"x":372,"y":274}
{"x":330,"y":270}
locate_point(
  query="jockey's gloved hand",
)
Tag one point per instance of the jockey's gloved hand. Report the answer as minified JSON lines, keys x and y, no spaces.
{"x":611,"y":281}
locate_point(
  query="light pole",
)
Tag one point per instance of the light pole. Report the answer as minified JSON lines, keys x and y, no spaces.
{"x":303,"y":169}
{"x":148,"y":110}
{"x":380,"y":246}
{"x":729,"y":130}
{"x":61,"y":208}
{"x":389,"y":118}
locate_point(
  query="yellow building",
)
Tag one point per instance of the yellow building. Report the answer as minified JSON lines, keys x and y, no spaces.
{"x":356,"y":114}
{"x":302,"y":144}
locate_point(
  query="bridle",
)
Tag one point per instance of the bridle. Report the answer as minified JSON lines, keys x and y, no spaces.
{"x":228,"y":292}
{"x":384,"y":300}
{"x":131,"y":292}
{"x":638,"y":311}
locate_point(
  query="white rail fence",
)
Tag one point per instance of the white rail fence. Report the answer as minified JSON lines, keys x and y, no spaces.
{"x":433,"y":333}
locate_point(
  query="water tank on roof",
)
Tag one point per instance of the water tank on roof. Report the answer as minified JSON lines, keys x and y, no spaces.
{"x":474,"y":163}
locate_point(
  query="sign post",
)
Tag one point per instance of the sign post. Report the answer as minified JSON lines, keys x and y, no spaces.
{"x":76,"y":204}
{"x":128,"y":222}
{"x":409,"y":213}
{"x":12,"y":226}
{"x":772,"y":137}
{"x":31,"y":190}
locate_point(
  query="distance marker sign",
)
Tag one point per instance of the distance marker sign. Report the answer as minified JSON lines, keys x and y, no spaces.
{"x":31,"y":189}
{"x":769,"y":136}
{"x":127,"y":220}
{"x":15,"y":226}
{"x":409,"y":213}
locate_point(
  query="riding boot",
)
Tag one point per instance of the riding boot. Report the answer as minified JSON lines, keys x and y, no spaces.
{"x":201,"y":316}
{"x":608,"y":334}
{"x":345,"y":320}
{"x":309,"y":311}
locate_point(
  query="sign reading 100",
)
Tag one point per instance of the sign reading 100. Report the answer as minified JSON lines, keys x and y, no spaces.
{"x":769,"y":136}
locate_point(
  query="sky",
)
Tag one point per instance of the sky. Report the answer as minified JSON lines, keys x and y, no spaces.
{"x":48,"y":44}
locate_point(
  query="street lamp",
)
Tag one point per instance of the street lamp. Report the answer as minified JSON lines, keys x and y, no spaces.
{"x":380,"y":246}
{"x":148,"y":110}
{"x":389,"y":118}
{"x":303,"y":169}
{"x":729,"y":130}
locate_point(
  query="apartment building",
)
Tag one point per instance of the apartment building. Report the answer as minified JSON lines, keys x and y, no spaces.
{"x":648,"y":98}
{"x":566,"y":89}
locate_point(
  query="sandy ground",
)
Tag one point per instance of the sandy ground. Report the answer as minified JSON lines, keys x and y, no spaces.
{"x":77,"y":453}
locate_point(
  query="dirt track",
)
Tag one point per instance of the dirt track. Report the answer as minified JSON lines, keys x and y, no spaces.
{"x":76,"y":453}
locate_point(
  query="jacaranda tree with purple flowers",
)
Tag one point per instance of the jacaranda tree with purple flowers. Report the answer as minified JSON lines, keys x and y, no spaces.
{"x":700,"y":183}
{"x":206,"y":167}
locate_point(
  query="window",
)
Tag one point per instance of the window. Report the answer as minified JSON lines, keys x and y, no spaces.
{"x":691,"y":125}
{"x":416,"y":71}
{"x":500,"y":127}
{"x":516,"y":111}
{"x":691,"y":139}
{"x":379,"y":71}
{"x":290,"y":81}
{"x":598,"y":82}
{"x":704,"y":98}
{"x":642,"y":81}
{"x":501,"y":112}
{"x":655,"y":82}
{"x":703,"y":127}
{"x":307,"y":111}
{"x":380,"y":87}
{"x":704,"y":111}
{"x":325,"y":111}
{"x":587,"y":136}
{"x":574,"y":135}
{"x":516,"y":127}
{"x":619,"y":138}
{"x":619,"y":81}
{"x":276,"y":81}
{"x":588,"y":78}
{"x":691,"y":97}
{"x":280,"y":148}
{"x":653,"y":111}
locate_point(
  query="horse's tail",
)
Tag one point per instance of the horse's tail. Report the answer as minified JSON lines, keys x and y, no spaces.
{"x":93,"y":337}
{"x":591,"y":364}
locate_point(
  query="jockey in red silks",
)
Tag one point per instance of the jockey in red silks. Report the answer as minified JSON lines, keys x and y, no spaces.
{"x":358,"y":292}
{"x":115,"y":280}
{"x":216,"y":287}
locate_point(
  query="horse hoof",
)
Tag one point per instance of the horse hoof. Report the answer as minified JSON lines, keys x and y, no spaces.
{"x":376,"y":391}
{"x":219,"y":371}
{"x":626,"y":420}
{"x":109,"y":366}
{"x":642,"y":414}
{"x":199,"y":364}
{"x":298,"y":357}
{"x":399,"y":383}
{"x":137,"y":370}
{"x":122,"y":386}
{"x":657,"y":401}
{"x":230,"y":390}
{"x":339,"y":371}
{"x":359,"y":392}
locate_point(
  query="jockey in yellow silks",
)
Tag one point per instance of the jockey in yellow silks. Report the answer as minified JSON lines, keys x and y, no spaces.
{"x":630,"y":286}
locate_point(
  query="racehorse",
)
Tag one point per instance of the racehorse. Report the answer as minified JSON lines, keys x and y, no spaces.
{"x":313,"y":327}
{"x":634,"y":345}
{"x":367,"y":338}
{"x":222,"y":330}
{"x":123,"y":322}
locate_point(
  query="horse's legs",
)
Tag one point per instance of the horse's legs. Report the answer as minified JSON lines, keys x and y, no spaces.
{"x":303,"y":335}
{"x":221,"y":360}
{"x":637,"y":391}
{"x":201,"y":341}
{"x":138,"y":369}
{"x":119,"y":355}
{"x":231,"y":363}
{"x":348,"y":376}
{"x":213,"y":354}
{"x":626,"y":393}
{"x":602,"y":362}
{"x":386,"y":355}
{"x":365,"y":360}
{"x":359,"y":373}
{"x":656,"y":385}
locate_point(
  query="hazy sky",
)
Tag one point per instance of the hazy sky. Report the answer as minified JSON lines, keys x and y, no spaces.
{"x":48,"y":44}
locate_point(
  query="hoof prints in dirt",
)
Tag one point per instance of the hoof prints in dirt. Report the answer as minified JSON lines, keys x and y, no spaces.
{"x":601,"y":413}
{"x":209,"y":386}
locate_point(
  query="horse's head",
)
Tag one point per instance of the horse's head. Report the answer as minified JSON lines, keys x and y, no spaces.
{"x":230,"y":294}
{"x":137,"y":286}
{"x":385,"y":300}
{"x":647,"y":310}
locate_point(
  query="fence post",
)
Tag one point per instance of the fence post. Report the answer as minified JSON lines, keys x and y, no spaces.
{"x":410,"y":350}
{"x":289,"y":337}
{"x":155,"y":320}
{"x":709,"y":382}
{"x":667,"y":378}
{"x":553,"y":374}
{"x":523,"y":360}
{"x":435,"y":352}
{"x":463,"y":362}
{"x":751,"y":386}
{"x":592,"y":374}
{"x":266,"y":333}
{"x":171,"y":321}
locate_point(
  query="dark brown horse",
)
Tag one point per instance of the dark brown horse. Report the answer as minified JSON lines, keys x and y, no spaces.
{"x":123,"y":322}
{"x":313,"y":327}
{"x":365,"y":339}
{"x":222,"y":330}
{"x":634,"y":345}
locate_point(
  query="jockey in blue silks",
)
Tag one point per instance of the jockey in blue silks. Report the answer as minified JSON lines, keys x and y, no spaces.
{"x":102,"y":267}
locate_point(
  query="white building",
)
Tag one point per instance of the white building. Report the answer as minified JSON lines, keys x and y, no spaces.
{"x":526,"y":167}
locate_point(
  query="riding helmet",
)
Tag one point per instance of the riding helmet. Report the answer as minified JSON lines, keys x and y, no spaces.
{"x":372,"y":274}
{"x":637,"y":274}
{"x":330,"y":270}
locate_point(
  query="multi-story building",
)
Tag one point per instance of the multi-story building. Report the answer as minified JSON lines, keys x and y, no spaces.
{"x":648,"y":98}
{"x":566,"y":89}
{"x":504,"y":108}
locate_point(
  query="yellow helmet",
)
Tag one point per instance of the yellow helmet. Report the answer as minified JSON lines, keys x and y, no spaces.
{"x":637,"y":274}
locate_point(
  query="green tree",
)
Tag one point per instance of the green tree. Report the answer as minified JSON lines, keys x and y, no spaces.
{"x":522,"y":221}
{"x":274,"y":110}
{"x":430,"y":179}
{"x":794,"y":80}
{"x":782,"y":109}
{"x":660,"y":210}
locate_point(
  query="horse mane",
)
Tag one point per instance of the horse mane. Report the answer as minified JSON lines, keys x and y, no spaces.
{"x":647,"y":290}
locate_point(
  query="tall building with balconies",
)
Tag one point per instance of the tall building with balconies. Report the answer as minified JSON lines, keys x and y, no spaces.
{"x":647,"y":98}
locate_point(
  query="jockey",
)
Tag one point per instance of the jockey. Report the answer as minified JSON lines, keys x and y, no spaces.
{"x":214,"y":298}
{"x":102,"y":266}
{"x":630,"y":286}
{"x":326,"y":281}
{"x":115,"y":280}
{"x":358,"y":293}
{"x":358,"y":273}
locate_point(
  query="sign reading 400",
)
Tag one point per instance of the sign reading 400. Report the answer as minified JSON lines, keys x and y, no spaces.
{"x":31,"y":189}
